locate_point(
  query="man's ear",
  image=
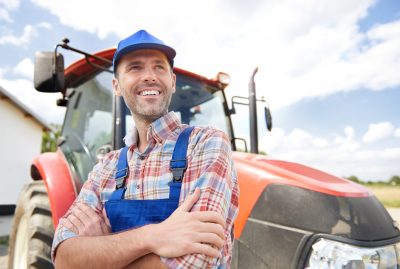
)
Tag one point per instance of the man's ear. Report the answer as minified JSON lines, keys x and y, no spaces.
{"x":173,"y":83}
{"x":116,"y":87}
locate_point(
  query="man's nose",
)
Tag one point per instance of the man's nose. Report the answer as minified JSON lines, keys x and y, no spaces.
{"x":149,"y":75}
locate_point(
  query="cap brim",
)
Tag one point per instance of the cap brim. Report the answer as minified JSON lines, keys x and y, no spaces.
{"x":168,"y":51}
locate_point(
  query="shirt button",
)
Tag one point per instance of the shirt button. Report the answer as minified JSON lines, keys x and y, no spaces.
{"x":142,"y":157}
{"x":137,"y":186}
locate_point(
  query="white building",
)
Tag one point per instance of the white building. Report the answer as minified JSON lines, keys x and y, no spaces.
{"x":20,"y":142}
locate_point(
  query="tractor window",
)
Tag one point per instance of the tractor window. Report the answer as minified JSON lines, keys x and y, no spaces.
{"x":88,"y":124}
{"x":199,"y":104}
{"x":208,"y":113}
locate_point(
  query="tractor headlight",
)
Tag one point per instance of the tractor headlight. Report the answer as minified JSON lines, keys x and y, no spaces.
{"x":223,"y":78}
{"x":331,"y":254}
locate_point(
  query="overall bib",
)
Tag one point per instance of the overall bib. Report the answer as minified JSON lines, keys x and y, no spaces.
{"x":127,"y":214}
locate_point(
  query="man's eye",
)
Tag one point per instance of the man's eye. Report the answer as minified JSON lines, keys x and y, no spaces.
{"x":134,"y":67}
{"x":160,"y":67}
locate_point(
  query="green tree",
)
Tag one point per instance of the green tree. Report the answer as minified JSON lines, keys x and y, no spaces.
{"x":354,"y":179}
{"x":49,"y":139}
{"x":394,"y":180}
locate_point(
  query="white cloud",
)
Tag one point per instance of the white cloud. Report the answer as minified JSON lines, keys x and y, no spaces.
{"x":10,"y":4}
{"x":4,"y":71}
{"x":4,"y":15}
{"x":320,"y":143}
{"x":378,"y":131}
{"x":24,"y":68}
{"x":5,"y":7}
{"x":306,"y":49}
{"x":349,"y":131}
{"x":397,"y":132}
{"x":45,"y":25}
{"x":298,"y":139}
{"x":348,"y":142}
{"x":43,"y":104}
{"x":30,"y":32}
{"x":341,"y":155}
{"x":273,"y":140}
{"x":392,"y":153}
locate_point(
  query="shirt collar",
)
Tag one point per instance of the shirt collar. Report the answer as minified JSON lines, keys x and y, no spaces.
{"x":159,"y":129}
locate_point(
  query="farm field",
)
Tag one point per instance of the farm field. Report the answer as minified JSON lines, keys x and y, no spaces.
{"x":388,"y":195}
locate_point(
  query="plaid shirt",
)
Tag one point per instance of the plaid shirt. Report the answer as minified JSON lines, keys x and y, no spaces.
{"x":210,"y":167}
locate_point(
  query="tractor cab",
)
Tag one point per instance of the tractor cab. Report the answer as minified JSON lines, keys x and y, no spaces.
{"x":96,"y":120}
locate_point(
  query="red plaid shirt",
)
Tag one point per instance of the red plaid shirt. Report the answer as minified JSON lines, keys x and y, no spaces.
{"x":210,"y":167}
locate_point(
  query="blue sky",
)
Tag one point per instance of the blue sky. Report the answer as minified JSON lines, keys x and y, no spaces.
{"x":329,"y":69}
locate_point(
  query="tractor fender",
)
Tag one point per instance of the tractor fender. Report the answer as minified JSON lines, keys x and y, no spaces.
{"x":53,"y":169}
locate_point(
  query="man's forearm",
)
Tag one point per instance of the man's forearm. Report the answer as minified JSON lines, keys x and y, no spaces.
{"x":150,"y":261}
{"x":110,"y":251}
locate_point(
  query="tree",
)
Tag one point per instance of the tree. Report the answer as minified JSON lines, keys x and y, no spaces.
{"x":49,"y":139}
{"x":354,"y":179}
{"x":394,"y":180}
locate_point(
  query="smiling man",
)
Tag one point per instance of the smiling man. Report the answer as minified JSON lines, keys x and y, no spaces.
{"x":168,"y":199}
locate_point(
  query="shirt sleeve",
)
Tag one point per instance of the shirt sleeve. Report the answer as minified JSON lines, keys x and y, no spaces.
{"x":90,"y":195}
{"x":211,"y":169}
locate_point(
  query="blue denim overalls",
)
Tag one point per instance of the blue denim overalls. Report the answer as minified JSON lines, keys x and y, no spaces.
{"x":127,"y":214}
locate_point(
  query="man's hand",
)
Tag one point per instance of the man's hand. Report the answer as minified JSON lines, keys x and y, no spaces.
{"x":187,"y":232}
{"x":85,"y":221}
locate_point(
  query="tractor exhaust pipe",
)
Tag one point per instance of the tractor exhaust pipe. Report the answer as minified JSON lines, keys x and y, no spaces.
{"x":253,"y":114}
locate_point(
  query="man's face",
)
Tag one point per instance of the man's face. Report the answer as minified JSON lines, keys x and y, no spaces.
{"x":146,"y":82}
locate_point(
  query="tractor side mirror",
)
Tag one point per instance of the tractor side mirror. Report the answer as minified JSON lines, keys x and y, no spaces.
{"x":49,"y":72}
{"x":268,"y":118}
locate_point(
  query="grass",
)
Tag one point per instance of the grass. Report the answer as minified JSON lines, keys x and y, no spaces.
{"x":4,"y":240}
{"x":388,"y":195}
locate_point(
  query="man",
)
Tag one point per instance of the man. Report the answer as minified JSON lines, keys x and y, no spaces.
{"x":138,"y":204}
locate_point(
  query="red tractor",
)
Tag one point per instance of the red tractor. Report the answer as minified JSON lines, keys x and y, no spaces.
{"x":291,"y":215}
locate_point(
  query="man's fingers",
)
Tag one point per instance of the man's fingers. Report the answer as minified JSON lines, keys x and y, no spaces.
{"x":70,"y":226}
{"x":209,"y":216}
{"x":76,"y":222}
{"x":105,"y":228}
{"x":212,"y":228}
{"x":190,"y":201}
{"x":89,"y":211}
{"x":83,"y":213}
{"x":205,"y":249}
{"x":210,"y":238}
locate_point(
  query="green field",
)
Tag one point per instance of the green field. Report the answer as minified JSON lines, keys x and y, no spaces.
{"x":388,"y":195}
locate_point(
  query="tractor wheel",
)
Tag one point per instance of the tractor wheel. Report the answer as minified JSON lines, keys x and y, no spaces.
{"x":32,"y":231}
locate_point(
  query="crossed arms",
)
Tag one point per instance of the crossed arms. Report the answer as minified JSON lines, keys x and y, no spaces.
{"x":182,"y":233}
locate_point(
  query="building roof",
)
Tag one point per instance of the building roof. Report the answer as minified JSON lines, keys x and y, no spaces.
{"x":26,"y":110}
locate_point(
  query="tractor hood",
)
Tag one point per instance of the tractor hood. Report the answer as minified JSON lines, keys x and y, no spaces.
{"x":264,"y":170}
{"x":297,"y":196}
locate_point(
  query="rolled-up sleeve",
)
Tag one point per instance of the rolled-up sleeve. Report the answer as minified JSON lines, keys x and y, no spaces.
{"x":90,"y":195}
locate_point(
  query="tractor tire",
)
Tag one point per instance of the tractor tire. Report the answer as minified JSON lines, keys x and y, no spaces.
{"x":32,"y":230}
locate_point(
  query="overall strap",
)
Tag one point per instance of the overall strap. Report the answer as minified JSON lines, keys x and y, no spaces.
{"x":122,"y":168}
{"x":178,"y":164}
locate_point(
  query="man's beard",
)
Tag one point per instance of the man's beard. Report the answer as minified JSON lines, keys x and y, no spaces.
{"x":149,"y":112}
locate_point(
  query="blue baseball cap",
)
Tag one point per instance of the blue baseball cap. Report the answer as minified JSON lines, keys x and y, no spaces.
{"x":142,"y":40}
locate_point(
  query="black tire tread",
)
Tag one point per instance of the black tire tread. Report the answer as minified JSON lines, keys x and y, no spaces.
{"x":34,"y":204}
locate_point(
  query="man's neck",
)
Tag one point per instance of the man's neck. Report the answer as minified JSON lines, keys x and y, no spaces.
{"x":142,"y":127}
